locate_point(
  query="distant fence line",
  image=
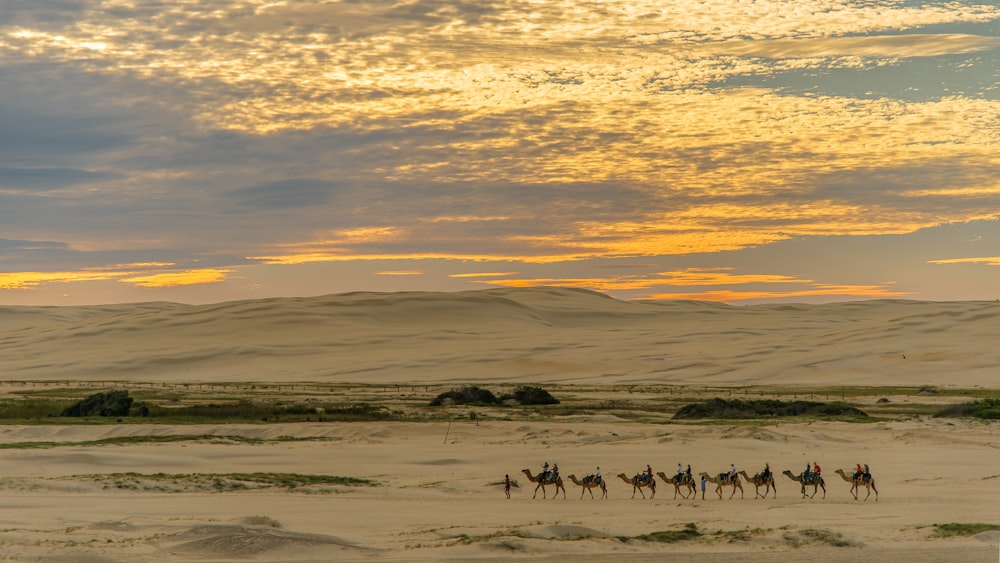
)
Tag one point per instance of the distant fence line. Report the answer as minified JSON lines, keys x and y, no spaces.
{"x":318,"y":387}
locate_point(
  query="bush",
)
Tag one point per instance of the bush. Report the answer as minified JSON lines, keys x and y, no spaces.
{"x":721,"y":408}
{"x":986,"y":408}
{"x":530,"y":395}
{"x":467,"y":395}
{"x":109,"y":403}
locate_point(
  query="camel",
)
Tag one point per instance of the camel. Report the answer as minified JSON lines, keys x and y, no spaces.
{"x":759,"y":481}
{"x":638,"y":484}
{"x":815,"y":480}
{"x":722,"y":479}
{"x":542,"y":481}
{"x":856,"y":484}
{"x":590,"y":483}
{"x":684,"y":481}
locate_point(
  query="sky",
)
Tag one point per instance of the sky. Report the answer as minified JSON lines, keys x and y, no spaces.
{"x":742,"y":151}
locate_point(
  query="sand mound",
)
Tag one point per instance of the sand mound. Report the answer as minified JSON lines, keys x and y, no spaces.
{"x":249,"y":541}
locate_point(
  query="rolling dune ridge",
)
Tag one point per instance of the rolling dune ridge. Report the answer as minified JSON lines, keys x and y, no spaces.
{"x":514,"y":335}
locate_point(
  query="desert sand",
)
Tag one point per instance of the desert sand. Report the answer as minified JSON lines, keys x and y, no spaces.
{"x":435,"y":493}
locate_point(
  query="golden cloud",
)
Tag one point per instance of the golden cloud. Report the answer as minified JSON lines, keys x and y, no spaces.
{"x":173,"y":279}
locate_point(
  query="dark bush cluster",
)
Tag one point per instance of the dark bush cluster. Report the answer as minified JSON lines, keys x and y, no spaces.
{"x":721,"y":408}
{"x":472,"y":395}
{"x":109,"y":403}
{"x":985,"y":408}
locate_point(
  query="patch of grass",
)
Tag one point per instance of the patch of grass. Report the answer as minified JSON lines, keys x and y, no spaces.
{"x":815,"y":535}
{"x":688,"y":532}
{"x":745,"y":535}
{"x":128,"y":440}
{"x":221,"y":481}
{"x":765,"y":408}
{"x":962,"y":529}
{"x":102,"y":406}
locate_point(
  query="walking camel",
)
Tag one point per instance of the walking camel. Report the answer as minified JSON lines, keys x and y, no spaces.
{"x":590,"y":482}
{"x":638,"y":484}
{"x":723,"y":479}
{"x":542,"y":481}
{"x":859,"y":482}
{"x":759,"y":481}
{"x":684,"y":481}
{"x":815,"y":480}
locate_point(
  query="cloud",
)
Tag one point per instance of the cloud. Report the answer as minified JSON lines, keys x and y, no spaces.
{"x":988,"y":260}
{"x":173,"y":279}
{"x":877,"y":46}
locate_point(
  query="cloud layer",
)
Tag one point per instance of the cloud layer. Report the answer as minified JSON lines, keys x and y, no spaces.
{"x":212,"y":140}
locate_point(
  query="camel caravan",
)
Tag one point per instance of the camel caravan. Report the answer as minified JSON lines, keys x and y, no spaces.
{"x":686,"y":484}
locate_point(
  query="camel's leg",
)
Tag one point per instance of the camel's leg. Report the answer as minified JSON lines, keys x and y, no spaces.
{"x":539,"y":486}
{"x":563,"y":487}
{"x":874,"y":489}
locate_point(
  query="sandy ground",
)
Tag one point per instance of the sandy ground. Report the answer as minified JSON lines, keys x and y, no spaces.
{"x":437,"y":498}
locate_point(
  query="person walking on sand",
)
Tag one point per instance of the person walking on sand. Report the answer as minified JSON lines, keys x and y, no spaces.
{"x":506,"y":485}
{"x":703,"y":484}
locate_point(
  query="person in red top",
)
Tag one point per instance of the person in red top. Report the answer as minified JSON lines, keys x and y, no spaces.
{"x":858,"y":472}
{"x":816,"y":468}
{"x":648,"y":474}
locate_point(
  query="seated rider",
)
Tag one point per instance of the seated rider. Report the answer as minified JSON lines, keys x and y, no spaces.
{"x":732,"y":472}
{"x":545,"y":470}
{"x":816,"y":469}
{"x":867,"y":474}
{"x":858,"y":472}
{"x":648,"y":474}
{"x":555,"y":471}
{"x":597,"y":477}
{"x":680,"y":473}
{"x":766,"y":474}
{"x":806,"y":475}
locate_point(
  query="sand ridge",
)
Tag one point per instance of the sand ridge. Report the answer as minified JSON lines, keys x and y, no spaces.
{"x":512,"y":335}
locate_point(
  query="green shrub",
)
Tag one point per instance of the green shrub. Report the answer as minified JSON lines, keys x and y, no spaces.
{"x":468,"y":395}
{"x":109,"y":403}
{"x":531,"y":395}
{"x":721,"y":408}
{"x":985,"y":408}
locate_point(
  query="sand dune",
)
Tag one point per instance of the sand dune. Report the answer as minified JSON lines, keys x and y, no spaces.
{"x":514,"y":335}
